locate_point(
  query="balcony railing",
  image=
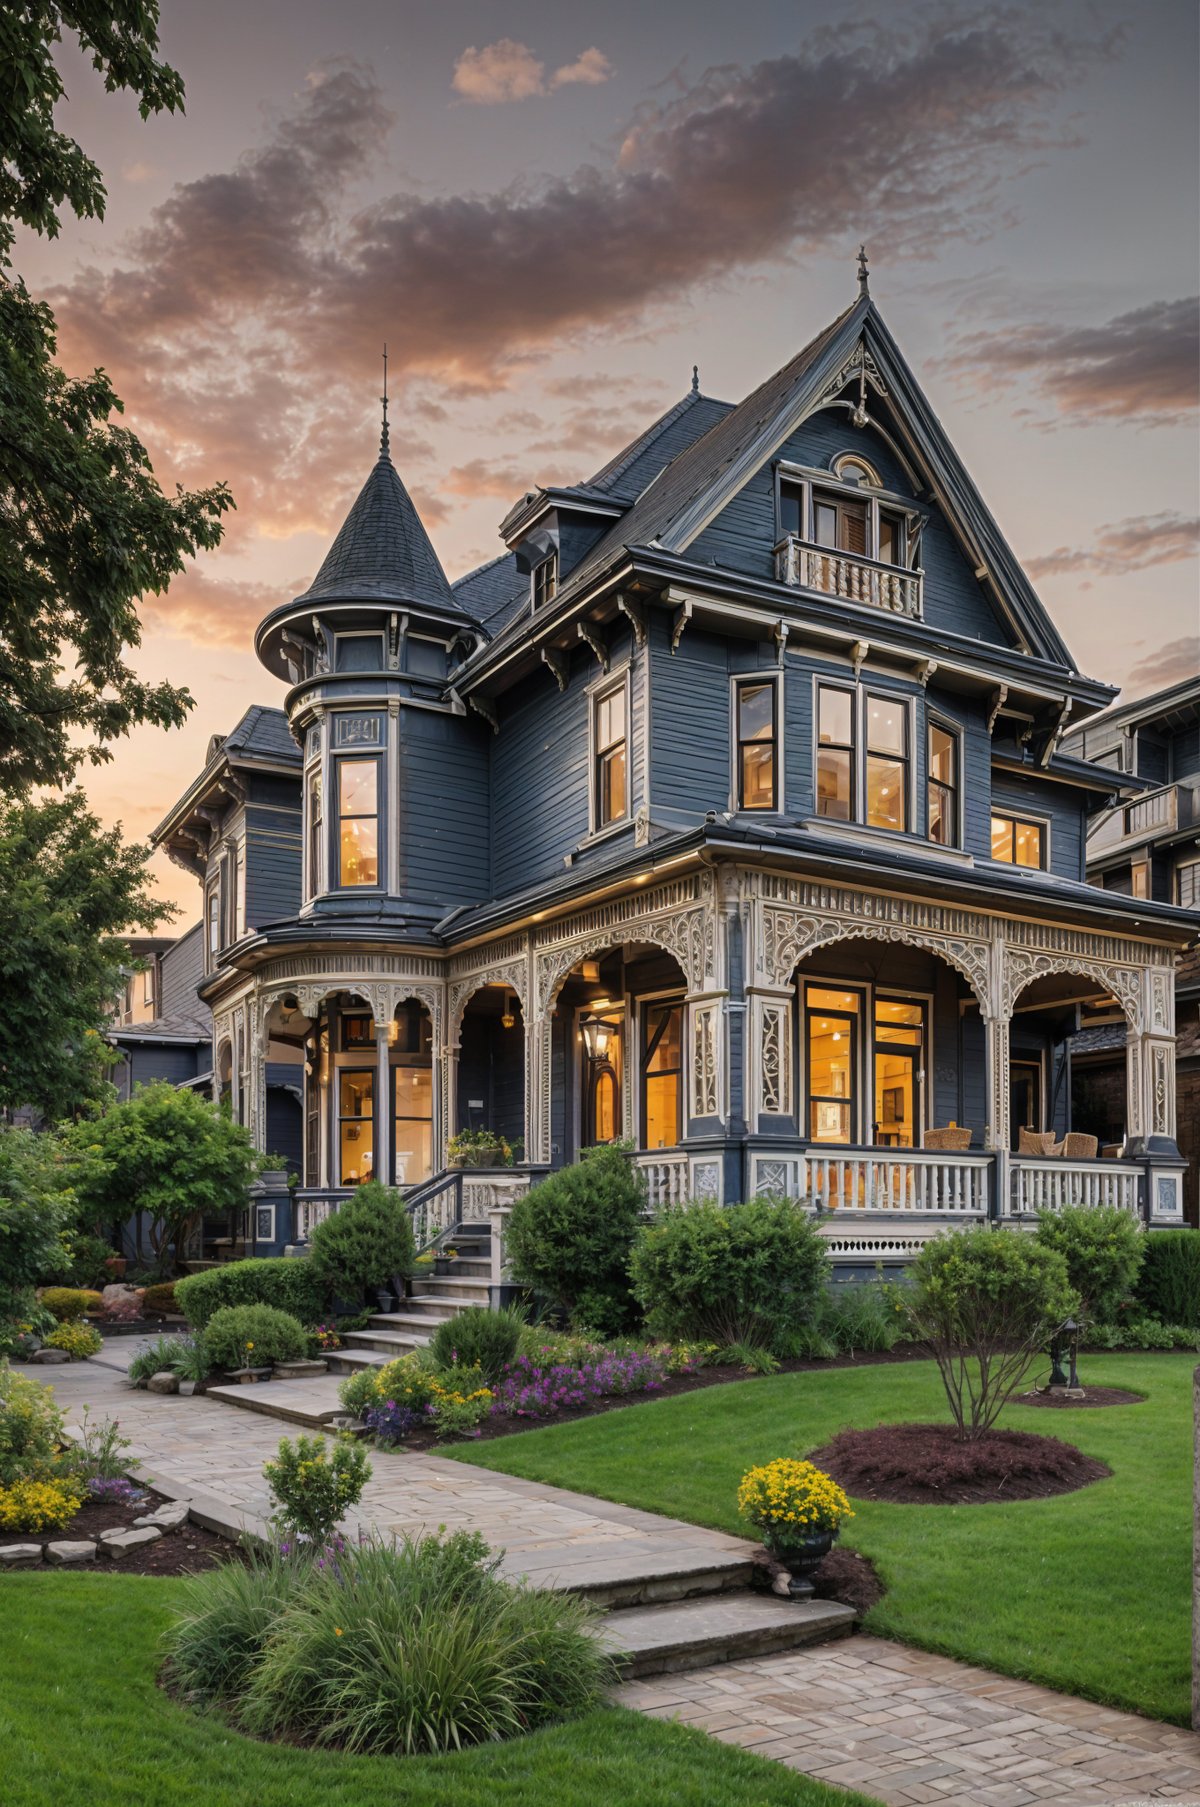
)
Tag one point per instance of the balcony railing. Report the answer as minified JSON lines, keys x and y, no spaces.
{"x":915,"y":1180}
{"x":1052,"y":1185}
{"x":1156,"y":812}
{"x":667,"y":1178}
{"x":849,"y":576}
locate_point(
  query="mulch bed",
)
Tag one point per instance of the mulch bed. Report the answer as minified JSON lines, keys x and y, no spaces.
{"x":845,"y":1576}
{"x":1091,"y":1396}
{"x":924,"y":1465}
{"x":183,"y":1552}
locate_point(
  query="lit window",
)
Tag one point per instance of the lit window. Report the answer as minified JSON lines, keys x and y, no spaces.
{"x":662,"y":1072}
{"x":943,"y":786}
{"x":413,"y":1123}
{"x":544,"y":580}
{"x":835,"y":753}
{"x":356,"y":1127}
{"x":1017,"y":842}
{"x":887,"y":763}
{"x":609,"y":757}
{"x":358,"y":822}
{"x":756,"y":746}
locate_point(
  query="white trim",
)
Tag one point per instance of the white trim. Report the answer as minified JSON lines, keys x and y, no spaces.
{"x":935,"y":719}
{"x":738,"y":680}
{"x":598,"y":691}
{"x":1011,"y":812}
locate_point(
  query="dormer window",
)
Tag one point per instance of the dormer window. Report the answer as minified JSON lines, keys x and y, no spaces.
{"x":544,"y":581}
{"x":838,"y":520}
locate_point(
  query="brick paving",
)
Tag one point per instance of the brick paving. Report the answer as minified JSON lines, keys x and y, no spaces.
{"x":901,"y":1725}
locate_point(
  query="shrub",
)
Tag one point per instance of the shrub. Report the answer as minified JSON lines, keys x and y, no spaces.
{"x":367,"y":1241}
{"x":417,"y":1647}
{"x":1169,"y":1284}
{"x":1142,"y":1333}
{"x":986,"y":1301}
{"x":1102,"y":1248}
{"x":313,"y":1483}
{"x":68,"y":1303}
{"x":867,"y":1318}
{"x":79,"y":1340}
{"x":478,"y":1339}
{"x":287,"y":1282}
{"x":88,"y":1256}
{"x":253,"y":1336}
{"x":158,"y":1357}
{"x":359,"y":1391}
{"x":30,"y":1505}
{"x":789,"y":1500}
{"x":397,"y":1397}
{"x":160,"y":1298}
{"x":31,"y":1429}
{"x":750,"y":1274}
{"x":570,"y":1236}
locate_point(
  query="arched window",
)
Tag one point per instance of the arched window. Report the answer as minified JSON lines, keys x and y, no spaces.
{"x":850,"y":468}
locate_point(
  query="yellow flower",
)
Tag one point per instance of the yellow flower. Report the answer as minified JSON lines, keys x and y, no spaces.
{"x":337,"y":1631}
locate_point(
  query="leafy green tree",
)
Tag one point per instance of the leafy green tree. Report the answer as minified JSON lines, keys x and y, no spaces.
{"x":69,"y":890}
{"x":36,"y":1206}
{"x":1102,"y":1247}
{"x":85,"y":530}
{"x":169,"y":1154}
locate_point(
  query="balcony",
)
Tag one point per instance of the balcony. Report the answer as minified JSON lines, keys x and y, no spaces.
{"x":1154,"y":813}
{"x":849,"y":576}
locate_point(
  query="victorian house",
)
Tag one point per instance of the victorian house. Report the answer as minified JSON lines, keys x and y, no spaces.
{"x":725,"y":812}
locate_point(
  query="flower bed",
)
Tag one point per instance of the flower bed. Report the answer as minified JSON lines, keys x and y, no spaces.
{"x":530,"y":1388}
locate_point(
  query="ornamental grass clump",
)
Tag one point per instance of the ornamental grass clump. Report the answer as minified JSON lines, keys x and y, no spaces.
{"x":313,"y":1483}
{"x":406,"y":1649}
{"x":787,"y":1500}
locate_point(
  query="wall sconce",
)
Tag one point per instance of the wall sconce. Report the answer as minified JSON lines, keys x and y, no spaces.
{"x":508,"y":1018}
{"x":589,"y":971}
{"x":597,"y":1034}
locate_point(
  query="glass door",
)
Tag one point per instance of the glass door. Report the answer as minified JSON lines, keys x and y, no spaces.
{"x":899,"y":1072}
{"x":412,"y":1115}
{"x":662,"y":1075}
{"x":1025,"y":1095}
{"x":356,"y":1126}
{"x":832,"y":1040}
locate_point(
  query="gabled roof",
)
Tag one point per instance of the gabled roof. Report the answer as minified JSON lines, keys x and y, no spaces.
{"x":382,"y":552}
{"x":1180,"y":700}
{"x":262,"y":734}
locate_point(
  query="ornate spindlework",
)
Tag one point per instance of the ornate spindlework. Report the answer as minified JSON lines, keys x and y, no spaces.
{"x":1022,"y":967}
{"x":776,"y":1059}
{"x":705,"y":1184}
{"x":357,"y":730}
{"x":788,"y":936}
{"x":705,"y":1075}
{"x":513,"y":973}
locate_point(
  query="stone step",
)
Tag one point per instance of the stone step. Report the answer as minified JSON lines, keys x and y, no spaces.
{"x":310,"y":1403}
{"x":722,"y":1628}
{"x":471,"y":1267}
{"x":391,"y":1343}
{"x":402,"y":1320}
{"x":430,"y":1306}
{"x":619,"y":1573}
{"x":472,"y":1292}
{"x":349,"y":1361}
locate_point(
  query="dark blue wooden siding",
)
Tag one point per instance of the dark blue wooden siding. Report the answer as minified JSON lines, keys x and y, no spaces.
{"x":441,"y":815}
{"x":273,"y":863}
{"x":741,"y":537}
{"x":1063,"y":807}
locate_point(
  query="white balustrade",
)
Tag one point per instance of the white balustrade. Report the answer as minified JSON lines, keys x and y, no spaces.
{"x":1053,"y":1184}
{"x":913,"y":1179}
{"x":666,"y":1178}
{"x":849,"y":576}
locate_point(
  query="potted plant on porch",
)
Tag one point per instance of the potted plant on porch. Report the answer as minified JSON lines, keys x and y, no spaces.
{"x":478,"y":1148}
{"x":799,"y":1510}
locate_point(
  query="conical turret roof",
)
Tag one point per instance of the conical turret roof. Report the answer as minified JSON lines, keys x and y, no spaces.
{"x":382,"y":552}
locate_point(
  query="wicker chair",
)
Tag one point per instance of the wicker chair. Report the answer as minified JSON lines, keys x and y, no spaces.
{"x":1036,"y":1141}
{"x":1075,"y":1146}
{"x":952,"y":1138}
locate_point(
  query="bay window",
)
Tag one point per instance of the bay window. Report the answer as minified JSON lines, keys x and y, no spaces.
{"x":358,"y":822}
{"x":836,"y":784}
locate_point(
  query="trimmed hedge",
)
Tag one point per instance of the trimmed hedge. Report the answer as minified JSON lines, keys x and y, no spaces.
{"x":69,"y":1303}
{"x":160,"y":1298}
{"x":288,"y":1282}
{"x":1169,"y":1283}
{"x":253,"y":1336}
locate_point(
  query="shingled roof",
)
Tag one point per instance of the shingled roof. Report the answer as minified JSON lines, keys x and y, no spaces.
{"x":382,"y":552}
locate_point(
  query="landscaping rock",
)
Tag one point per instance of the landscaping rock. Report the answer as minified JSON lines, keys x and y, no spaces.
{"x":70,"y":1552}
{"x":122,"y":1303}
{"x":166,"y":1382}
{"x":118,"y":1543}
{"x":171,"y":1517}
{"x":20,"y":1555}
{"x":47,"y":1357}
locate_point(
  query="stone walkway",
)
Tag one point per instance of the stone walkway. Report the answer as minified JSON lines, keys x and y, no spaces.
{"x":897,"y":1724}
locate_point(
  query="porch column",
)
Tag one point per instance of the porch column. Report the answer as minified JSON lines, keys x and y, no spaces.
{"x":257,"y":1011}
{"x":998,"y":1112}
{"x":381,"y":1166}
{"x":706,"y":1057}
{"x":770,"y":1083}
{"x":447,"y":1103}
{"x":324,"y":1117}
{"x":537,"y":1089}
{"x":1149,"y":1086}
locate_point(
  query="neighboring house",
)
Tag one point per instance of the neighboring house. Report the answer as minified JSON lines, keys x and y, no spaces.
{"x":1145,"y":843}
{"x":724,"y":811}
{"x":162,"y":1030}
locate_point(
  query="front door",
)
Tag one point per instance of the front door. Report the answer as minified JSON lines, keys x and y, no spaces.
{"x":899,"y":1064}
{"x":832,"y":1042}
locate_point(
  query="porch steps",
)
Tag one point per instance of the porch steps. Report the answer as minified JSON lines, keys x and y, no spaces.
{"x":722,"y":1628}
{"x":391,"y":1334}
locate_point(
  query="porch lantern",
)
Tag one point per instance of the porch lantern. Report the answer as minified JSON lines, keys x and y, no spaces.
{"x":508,"y":1019}
{"x":597,"y":1034}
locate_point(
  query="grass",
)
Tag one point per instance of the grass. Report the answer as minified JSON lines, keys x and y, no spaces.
{"x":1088,"y":1593}
{"x":82,"y":1719}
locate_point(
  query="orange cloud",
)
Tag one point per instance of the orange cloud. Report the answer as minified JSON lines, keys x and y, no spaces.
{"x":498,"y":73}
{"x":1130,"y":545}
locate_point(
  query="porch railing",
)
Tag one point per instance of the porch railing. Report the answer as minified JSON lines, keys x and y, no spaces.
{"x":849,"y":576}
{"x":456,"y":1195}
{"x":1054,"y":1184}
{"x":916,"y":1180}
{"x":666,"y":1176}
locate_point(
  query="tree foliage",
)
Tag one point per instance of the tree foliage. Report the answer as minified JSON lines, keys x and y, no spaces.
{"x":85,"y":530}
{"x":36,"y":1205}
{"x":1102,"y":1247}
{"x":986,"y":1301}
{"x":69,"y":890}
{"x":366,"y":1242}
{"x":170,"y":1154}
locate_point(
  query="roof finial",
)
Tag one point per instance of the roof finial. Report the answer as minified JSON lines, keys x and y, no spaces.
{"x":863,"y":286}
{"x":384,"y":451}
{"x":695,"y":379}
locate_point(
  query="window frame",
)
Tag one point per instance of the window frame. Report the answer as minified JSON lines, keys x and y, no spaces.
{"x":860,"y":693}
{"x":370,"y":1073}
{"x":646,"y":1006}
{"x":1027,"y":820}
{"x":851,"y":690}
{"x":955,"y":734}
{"x":359,"y":757}
{"x":879,"y":501}
{"x":539,"y":595}
{"x":1140,"y":870}
{"x":599,"y":693}
{"x":769,"y":679}
{"x":1192,"y":866}
{"x":315,"y":824}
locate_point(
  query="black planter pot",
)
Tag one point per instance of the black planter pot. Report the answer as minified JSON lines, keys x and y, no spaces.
{"x":385,"y":1299}
{"x":801,"y":1556}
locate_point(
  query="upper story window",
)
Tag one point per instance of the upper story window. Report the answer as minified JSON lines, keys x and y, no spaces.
{"x":756,"y":728}
{"x":1140,"y":876}
{"x":214,"y":925}
{"x":1187,"y":886}
{"x":833,"y":516}
{"x":544,"y":580}
{"x":944,"y":752}
{"x":609,"y":760}
{"x":875,"y":789}
{"x":358,"y":822}
{"x":1018,"y":841}
{"x":315,"y":825}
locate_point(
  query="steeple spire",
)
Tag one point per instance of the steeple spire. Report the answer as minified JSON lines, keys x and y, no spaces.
{"x":863,"y":284}
{"x":384,"y":450}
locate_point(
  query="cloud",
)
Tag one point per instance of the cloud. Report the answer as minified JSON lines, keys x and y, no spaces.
{"x":498,"y":73}
{"x":590,"y":68}
{"x":215,"y":610}
{"x":1141,"y":368}
{"x":1134,"y":544}
{"x":138,"y":172}
{"x":478,"y":477}
{"x":1173,"y":663}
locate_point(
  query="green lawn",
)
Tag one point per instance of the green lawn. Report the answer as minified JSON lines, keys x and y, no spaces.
{"x":1089,"y":1592}
{"x":82,"y":1720}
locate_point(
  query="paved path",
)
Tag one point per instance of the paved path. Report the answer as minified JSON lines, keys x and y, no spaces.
{"x":898,"y":1724}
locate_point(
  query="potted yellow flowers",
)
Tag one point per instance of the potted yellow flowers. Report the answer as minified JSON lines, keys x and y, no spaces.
{"x":799,"y":1510}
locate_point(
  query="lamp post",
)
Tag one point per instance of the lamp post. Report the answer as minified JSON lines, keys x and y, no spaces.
{"x":1064,"y":1341}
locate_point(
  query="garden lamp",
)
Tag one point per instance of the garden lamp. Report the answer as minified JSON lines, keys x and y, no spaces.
{"x":596,"y":1035}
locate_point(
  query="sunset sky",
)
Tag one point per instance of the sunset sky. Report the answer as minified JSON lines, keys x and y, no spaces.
{"x":551,"y":213}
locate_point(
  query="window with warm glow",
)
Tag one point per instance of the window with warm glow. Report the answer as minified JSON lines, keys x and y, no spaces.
{"x":756,"y":745}
{"x":832,"y":1064}
{"x":1017,"y":842}
{"x":887,"y":762}
{"x":358,"y":822}
{"x":356,"y":1127}
{"x":314,"y":834}
{"x":662,"y":1075}
{"x":413,"y":1119}
{"x":835,"y":753}
{"x":610,"y":756}
{"x":943,"y":786}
